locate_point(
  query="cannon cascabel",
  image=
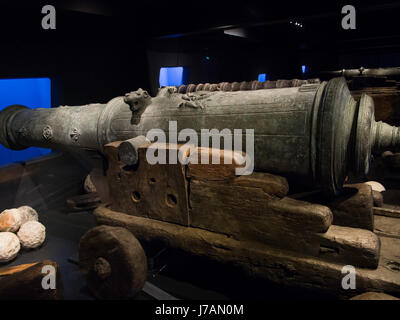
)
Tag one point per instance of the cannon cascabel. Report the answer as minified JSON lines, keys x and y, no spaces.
{"x":316,"y":132}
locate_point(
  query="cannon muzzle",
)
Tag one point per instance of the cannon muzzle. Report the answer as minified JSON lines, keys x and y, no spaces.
{"x":62,"y":128}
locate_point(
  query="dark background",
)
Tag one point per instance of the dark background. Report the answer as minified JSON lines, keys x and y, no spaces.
{"x":102,"y":49}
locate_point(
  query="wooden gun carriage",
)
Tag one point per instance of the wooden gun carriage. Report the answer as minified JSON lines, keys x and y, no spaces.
{"x":248,"y":221}
{"x":316,"y":133}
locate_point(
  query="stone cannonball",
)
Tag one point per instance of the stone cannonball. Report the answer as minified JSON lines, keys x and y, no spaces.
{"x":28,"y":214}
{"x":9,"y":246}
{"x":32,"y":234}
{"x":10,"y":220}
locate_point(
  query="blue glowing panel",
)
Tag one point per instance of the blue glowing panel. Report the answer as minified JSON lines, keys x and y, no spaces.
{"x":172,"y":76}
{"x":304,"y":69}
{"x":30,"y":92}
{"x":262,"y":77}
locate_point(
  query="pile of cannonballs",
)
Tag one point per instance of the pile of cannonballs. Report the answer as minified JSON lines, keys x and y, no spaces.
{"x":19,"y":227}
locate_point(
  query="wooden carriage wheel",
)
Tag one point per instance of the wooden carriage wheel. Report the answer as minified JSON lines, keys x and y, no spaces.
{"x":113,"y":262}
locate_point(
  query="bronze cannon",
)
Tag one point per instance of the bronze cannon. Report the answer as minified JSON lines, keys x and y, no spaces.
{"x":316,"y":132}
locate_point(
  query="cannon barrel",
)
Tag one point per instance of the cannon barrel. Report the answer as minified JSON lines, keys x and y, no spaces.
{"x":316,"y":132}
{"x":376,"y":72}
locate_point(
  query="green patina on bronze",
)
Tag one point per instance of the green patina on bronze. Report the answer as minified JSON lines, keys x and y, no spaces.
{"x":316,"y":132}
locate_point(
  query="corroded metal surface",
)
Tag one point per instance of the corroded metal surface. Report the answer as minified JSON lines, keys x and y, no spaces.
{"x":244,"y":86}
{"x":374,"y":72}
{"x":317,"y":132}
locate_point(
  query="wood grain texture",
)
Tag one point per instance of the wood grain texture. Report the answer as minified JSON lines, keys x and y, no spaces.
{"x":246,"y":208}
{"x":355,"y":207}
{"x":156,"y":191}
{"x":269,"y":183}
{"x":125,"y":257}
{"x":27,"y":284}
{"x":387,"y":211}
{"x":387,"y":226}
{"x":357,"y":247}
{"x":249,"y":213}
{"x":11,"y":270}
{"x":260,"y":260}
{"x":206,"y":167}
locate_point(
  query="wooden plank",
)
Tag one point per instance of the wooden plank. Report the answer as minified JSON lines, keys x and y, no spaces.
{"x":387,"y":226}
{"x":229,"y":161}
{"x":260,"y":260}
{"x":357,"y":247}
{"x":387,"y":211}
{"x":354,"y":207}
{"x":269,"y":183}
{"x":157,"y":191}
{"x":251,"y":213}
{"x":111,"y":150}
{"x":27,"y":284}
{"x":11,"y":270}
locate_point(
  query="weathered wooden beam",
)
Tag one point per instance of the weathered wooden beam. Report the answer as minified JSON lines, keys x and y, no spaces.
{"x":260,"y":260}
{"x":248,"y":208}
{"x":354,"y":207}
{"x":387,"y":226}
{"x":11,"y":270}
{"x":27,"y":284}
{"x":157,"y":191}
{"x":214,"y":164}
{"x":357,"y":247}
{"x":387,"y":211}
{"x":269,"y":183}
{"x":225,"y":171}
{"x":249,"y":213}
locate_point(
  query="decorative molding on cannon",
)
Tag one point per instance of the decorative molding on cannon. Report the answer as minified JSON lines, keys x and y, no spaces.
{"x":244,"y":85}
